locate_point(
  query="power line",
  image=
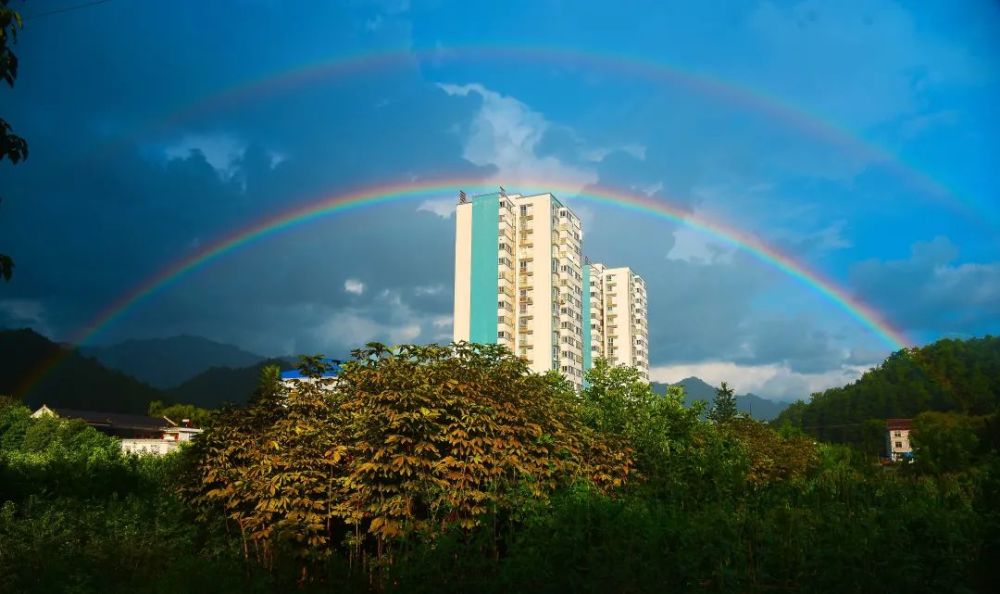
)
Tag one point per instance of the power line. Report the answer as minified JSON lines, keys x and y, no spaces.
{"x":38,"y":15}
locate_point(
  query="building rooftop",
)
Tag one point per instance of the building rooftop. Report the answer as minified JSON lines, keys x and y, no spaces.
{"x":111,"y":420}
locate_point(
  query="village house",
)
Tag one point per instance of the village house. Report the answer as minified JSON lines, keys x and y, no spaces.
{"x":897,"y":439}
{"x":138,"y":434}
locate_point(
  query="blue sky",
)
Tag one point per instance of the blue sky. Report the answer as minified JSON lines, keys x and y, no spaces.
{"x":883,"y":178}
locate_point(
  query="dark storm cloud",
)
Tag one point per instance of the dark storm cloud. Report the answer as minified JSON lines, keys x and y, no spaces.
{"x":98,"y":207}
{"x":931,"y":290}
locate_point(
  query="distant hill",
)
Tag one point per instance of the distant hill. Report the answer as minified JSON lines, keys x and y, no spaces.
{"x":168,"y":362}
{"x":76,"y":382}
{"x":948,"y":375}
{"x":219,"y":385}
{"x":697,"y":389}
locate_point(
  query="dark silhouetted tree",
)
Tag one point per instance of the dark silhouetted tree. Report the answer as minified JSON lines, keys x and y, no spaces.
{"x":12,"y":146}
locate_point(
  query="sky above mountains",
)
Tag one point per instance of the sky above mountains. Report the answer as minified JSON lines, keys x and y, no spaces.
{"x":853,"y":137}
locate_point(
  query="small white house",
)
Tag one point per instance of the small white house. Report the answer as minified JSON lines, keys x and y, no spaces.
{"x":897,"y":439}
{"x":138,"y":434}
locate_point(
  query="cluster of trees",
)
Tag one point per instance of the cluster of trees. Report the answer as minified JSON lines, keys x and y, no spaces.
{"x":450,"y":469}
{"x":957,"y":376}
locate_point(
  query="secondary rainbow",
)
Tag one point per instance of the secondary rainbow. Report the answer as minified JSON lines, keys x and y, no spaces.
{"x":400,"y":192}
{"x":669,"y":75}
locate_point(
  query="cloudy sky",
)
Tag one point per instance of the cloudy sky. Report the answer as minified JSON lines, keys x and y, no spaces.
{"x":856,"y":137}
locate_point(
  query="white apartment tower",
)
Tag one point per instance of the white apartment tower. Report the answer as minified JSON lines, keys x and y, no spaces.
{"x":526,"y":251}
{"x":617,"y":311}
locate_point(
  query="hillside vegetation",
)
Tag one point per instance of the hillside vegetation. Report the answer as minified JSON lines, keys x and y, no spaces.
{"x":74,"y":382}
{"x":456,"y":469}
{"x":958,"y":376}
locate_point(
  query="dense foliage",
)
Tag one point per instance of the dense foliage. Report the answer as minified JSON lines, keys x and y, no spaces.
{"x":409,"y":443}
{"x":947,"y":376}
{"x":454,"y":469}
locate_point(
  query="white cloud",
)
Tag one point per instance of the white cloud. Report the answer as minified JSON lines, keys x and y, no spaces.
{"x":769,"y":381}
{"x":429,"y":290}
{"x":362,"y":329}
{"x":596,"y":155}
{"x":698,"y":248}
{"x":354,"y":286}
{"x":442,"y":207}
{"x":505,"y":133}
{"x":222,"y":151}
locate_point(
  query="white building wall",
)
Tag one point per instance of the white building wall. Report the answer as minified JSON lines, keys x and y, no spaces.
{"x":463,"y":272}
{"x":539,"y":281}
{"x":619,"y":327}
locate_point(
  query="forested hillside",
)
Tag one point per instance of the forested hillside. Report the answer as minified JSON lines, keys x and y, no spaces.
{"x":75,"y":382}
{"x":220,"y":385}
{"x":960,"y":376}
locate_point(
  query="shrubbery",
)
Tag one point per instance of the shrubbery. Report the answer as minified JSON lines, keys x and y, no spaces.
{"x":454,"y":469}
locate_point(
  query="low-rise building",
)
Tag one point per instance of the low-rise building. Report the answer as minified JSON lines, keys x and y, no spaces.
{"x":897,"y":439}
{"x":330,"y":372}
{"x":138,"y":434}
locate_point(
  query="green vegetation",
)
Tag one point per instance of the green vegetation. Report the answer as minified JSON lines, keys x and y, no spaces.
{"x":455,"y":469}
{"x":12,"y":146}
{"x":960,"y":376}
{"x":723,"y":405}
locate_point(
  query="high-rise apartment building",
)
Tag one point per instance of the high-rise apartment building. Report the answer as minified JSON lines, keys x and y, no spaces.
{"x":617,"y":312}
{"x":527,"y":253}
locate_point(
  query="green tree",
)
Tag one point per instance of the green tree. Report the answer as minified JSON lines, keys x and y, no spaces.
{"x":199,"y":417}
{"x":618,"y":402}
{"x":943,"y":442}
{"x":723,"y":405}
{"x":268,"y":384}
{"x":404,"y":445}
{"x":12,"y":146}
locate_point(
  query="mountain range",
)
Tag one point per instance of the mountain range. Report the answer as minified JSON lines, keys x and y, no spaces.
{"x":696,"y":389}
{"x":168,"y":362}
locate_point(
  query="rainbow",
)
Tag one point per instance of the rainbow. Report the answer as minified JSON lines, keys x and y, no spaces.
{"x":400,"y":192}
{"x":617,"y":65}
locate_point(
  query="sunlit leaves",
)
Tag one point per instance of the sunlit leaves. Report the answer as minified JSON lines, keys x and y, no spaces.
{"x":405,"y":444}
